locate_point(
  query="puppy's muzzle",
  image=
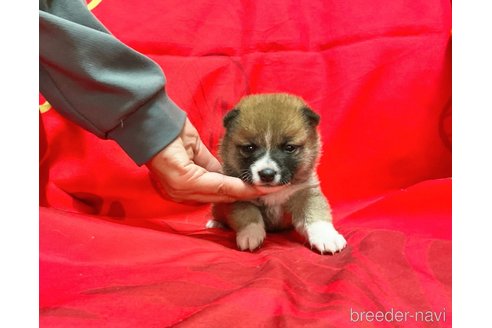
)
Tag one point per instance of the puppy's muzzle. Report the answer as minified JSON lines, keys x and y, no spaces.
{"x":267,"y":175}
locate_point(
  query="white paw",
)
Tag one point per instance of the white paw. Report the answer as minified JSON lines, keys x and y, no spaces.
{"x":323,"y":236}
{"x":251,"y":237}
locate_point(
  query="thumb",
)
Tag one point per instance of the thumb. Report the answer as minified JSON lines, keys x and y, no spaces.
{"x":204,"y":158}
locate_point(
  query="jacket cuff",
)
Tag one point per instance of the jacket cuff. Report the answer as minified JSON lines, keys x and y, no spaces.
{"x":150,"y":129}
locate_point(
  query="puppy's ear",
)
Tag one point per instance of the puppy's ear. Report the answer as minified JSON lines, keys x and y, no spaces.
{"x":230,"y":117}
{"x":311,"y":116}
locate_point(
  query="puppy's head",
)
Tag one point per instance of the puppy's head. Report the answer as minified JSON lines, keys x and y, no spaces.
{"x":270,"y":140}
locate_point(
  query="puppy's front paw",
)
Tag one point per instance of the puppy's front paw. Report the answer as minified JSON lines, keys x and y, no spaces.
{"x":323,"y":236}
{"x":251,"y":237}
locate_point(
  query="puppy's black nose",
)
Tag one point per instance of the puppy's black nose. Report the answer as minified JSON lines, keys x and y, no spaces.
{"x":267,"y":175}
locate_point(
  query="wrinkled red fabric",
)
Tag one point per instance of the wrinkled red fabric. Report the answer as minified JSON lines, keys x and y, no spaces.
{"x":113,"y":253}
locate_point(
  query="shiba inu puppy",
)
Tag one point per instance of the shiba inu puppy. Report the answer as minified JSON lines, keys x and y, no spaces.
{"x":272,"y":140}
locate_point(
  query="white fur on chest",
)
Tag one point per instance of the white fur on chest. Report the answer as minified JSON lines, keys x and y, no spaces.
{"x":274,"y":205}
{"x":274,"y":202}
{"x":280,"y":197}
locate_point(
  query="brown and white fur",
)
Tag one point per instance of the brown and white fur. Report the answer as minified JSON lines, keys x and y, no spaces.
{"x":272,"y":140}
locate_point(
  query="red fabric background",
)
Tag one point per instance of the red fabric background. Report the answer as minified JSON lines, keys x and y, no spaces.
{"x":114,"y":254}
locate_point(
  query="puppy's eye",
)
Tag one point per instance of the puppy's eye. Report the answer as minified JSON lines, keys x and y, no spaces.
{"x":290,"y":148}
{"x":248,"y":149}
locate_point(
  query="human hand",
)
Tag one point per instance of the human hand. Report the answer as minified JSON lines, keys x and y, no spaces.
{"x":187,"y":171}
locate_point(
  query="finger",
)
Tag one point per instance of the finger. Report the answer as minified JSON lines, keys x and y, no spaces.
{"x":204,"y":158}
{"x":219,"y":184}
{"x":196,"y":199}
{"x":265,"y":190}
{"x":188,"y":195}
{"x":205,"y":198}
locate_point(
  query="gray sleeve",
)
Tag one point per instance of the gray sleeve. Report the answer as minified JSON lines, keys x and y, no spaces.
{"x":96,"y":81}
